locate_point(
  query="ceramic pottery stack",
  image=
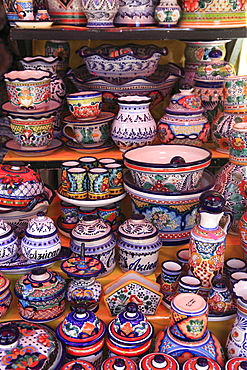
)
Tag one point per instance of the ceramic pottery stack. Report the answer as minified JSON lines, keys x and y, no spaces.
{"x":188,"y":332}
{"x":130,"y":332}
{"x":184,"y":121}
{"x":82,"y":333}
{"x":130,"y":69}
{"x":165,"y":187}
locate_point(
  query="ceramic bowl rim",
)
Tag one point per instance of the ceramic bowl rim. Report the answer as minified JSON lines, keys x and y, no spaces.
{"x":82,"y":95}
{"x":41,"y":58}
{"x":43,"y":76}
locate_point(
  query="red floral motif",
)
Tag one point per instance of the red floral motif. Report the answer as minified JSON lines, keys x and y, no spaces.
{"x":204,"y":133}
{"x":165,"y":134}
{"x":11,"y":182}
{"x":221,"y":249}
{"x":224,"y":143}
{"x":44,"y":339}
{"x":191,"y":5}
{"x":237,"y":143}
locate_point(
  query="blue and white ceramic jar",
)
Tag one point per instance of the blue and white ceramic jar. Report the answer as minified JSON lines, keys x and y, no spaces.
{"x":138,"y":245}
{"x":8,"y":242}
{"x":98,"y":239}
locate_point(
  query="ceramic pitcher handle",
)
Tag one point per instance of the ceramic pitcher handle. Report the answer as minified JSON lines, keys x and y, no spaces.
{"x":65,"y":134}
{"x":228,"y":221}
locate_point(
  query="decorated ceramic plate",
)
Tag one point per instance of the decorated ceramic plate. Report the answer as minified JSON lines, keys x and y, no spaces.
{"x":52,"y":106}
{"x":89,"y":203}
{"x":17,"y":149}
{"x":21,"y":265}
{"x":34,"y":24}
{"x":78,"y":148}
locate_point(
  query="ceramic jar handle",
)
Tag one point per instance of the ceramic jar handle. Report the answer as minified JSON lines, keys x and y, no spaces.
{"x":229,"y":220}
{"x":66,"y":135}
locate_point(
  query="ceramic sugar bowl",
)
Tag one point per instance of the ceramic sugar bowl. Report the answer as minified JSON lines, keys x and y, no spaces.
{"x":8,"y":242}
{"x":82,"y":333}
{"x":41,"y":241}
{"x":155,"y":361}
{"x":5,"y":295}
{"x":41,"y":295}
{"x":138,"y":245}
{"x":98,"y":239}
{"x":118,"y":363}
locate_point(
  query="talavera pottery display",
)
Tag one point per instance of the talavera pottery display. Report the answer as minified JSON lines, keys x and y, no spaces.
{"x":41,"y":241}
{"x":25,"y":345}
{"x":132,"y":287}
{"x":98,"y":239}
{"x":138,"y":245}
{"x":173,"y":213}
{"x":8,"y":242}
{"x":118,"y":62}
{"x":41,"y":295}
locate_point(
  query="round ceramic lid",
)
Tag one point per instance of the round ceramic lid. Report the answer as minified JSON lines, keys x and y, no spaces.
{"x":137,"y":227}
{"x":118,"y":363}
{"x":5,"y":228}
{"x":25,"y":345}
{"x":155,"y":361}
{"x":91,"y":228}
{"x":40,"y":284}
{"x":131,"y":322}
{"x":237,"y":363}
{"x":40,"y":226}
{"x":201,"y":363}
{"x":78,"y":365}
{"x":86,"y":267}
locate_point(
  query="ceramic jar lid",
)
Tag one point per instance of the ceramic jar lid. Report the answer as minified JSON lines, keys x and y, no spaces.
{"x":201,"y":363}
{"x":91,"y":228}
{"x":186,"y":101}
{"x":82,"y":268}
{"x":118,"y":363}
{"x":40,"y":226}
{"x":154,"y":361}
{"x":236,"y":363}
{"x":27,"y":345}
{"x":78,"y":365}
{"x":137,"y":227}
{"x":40,"y":284}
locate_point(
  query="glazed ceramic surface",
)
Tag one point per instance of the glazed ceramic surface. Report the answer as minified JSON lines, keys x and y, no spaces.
{"x":41,"y":295}
{"x":6,"y":296}
{"x":131,"y":14}
{"x":66,"y":13}
{"x":28,"y":89}
{"x":78,"y":364}
{"x":201,"y":363}
{"x":134,"y":125}
{"x":100,"y":14}
{"x":8,"y":242}
{"x":167,"y":168}
{"x":167,"y":13}
{"x":85,"y":105}
{"x":28,"y":345}
{"x":115,"y":362}
{"x":169,"y":279}
{"x":155,"y":361}
{"x":41,"y":241}
{"x":138,"y":245}
{"x":173,"y":214}
{"x":188,"y":331}
{"x":118,"y":62}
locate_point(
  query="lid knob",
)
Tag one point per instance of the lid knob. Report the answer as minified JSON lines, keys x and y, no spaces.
{"x":77,"y":367}
{"x":131,"y":307}
{"x":159,"y":361}
{"x":39,"y":271}
{"x":216,"y":53}
{"x":212,"y":201}
{"x":202,"y":362}
{"x":80,"y":308}
{"x":177,"y":160}
{"x":243,"y":365}
{"x":9,"y":334}
{"x":119,"y":363}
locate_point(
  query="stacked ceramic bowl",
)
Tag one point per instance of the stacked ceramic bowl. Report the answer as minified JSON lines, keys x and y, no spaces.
{"x":124,"y":70}
{"x":164,"y":183}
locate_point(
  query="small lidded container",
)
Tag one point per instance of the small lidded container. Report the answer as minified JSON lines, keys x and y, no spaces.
{"x":8,"y":242}
{"x":156,"y":361}
{"x":41,"y":295}
{"x":139,"y":245}
{"x":201,"y":363}
{"x":118,"y":363}
{"x":41,"y":241}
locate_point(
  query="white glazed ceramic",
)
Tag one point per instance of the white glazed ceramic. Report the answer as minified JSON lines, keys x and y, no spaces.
{"x":85,"y":105}
{"x":8,"y":242}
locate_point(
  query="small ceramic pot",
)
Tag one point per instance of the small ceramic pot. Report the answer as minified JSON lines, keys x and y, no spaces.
{"x":188,"y":284}
{"x":155,"y":361}
{"x":41,"y":241}
{"x":88,"y":162}
{"x":99,"y":241}
{"x":167,"y":13}
{"x":69,"y":215}
{"x":138,"y":245}
{"x":117,"y":363}
{"x":41,"y":295}
{"x":77,"y":365}
{"x":8,"y":242}
{"x":77,"y":183}
{"x":66,"y":165}
{"x":82,"y":333}
{"x":28,"y":89}
{"x":85,"y":105}
{"x":100,"y":14}
{"x":98,"y":183}
{"x":25,"y":10}
{"x":28,"y":345}
{"x":31,"y":132}
{"x":202,"y":363}
{"x":5,"y":295}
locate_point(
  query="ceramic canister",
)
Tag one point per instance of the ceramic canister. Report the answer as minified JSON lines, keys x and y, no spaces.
{"x":8,"y":242}
{"x":99,"y":241}
{"x":118,"y":363}
{"x":155,"y":361}
{"x":138,"y":245}
{"x":41,"y":295}
{"x":41,"y":241}
{"x":201,"y":363}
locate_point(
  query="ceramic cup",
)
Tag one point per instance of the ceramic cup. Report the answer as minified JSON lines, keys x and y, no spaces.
{"x":98,"y":183}
{"x":188,"y":284}
{"x":88,"y":162}
{"x":69,"y":215}
{"x":103,"y":161}
{"x":170,"y":273}
{"x":25,"y":10}
{"x":85,"y":105}
{"x":115,"y":178}
{"x":109,"y":215}
{"x":42,"y":15}
{"x":86,"y":212}
{"x":64,"y":175}
{"x":234,"y":265}
{"x":77,"y":180}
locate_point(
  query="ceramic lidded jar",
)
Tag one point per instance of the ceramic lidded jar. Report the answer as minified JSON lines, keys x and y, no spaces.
{"x":184,"y":121}
{"x":98,"y":239}
{"x":118,"y":363}
{"x":130,"y":332}
{"x":134,"y":125}
{"x":5,"y":295}
{"x":41,"y":295}
{"x":8,"y":242}
{"x":82,"y":333}
{"x":201,"y":363}
{"x":188,"y":331}
{"x":77,"y":365}
{"x":138,"y":245}
{"x":25,"y":345}
{"x":155,"y":361}
{"x":41,"y":241}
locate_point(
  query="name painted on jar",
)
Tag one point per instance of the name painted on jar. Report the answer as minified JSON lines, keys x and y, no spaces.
{"x":138,"y":266}
{"x":42,"y":256}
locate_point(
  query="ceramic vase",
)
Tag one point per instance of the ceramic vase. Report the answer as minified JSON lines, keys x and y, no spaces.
{"x":169,"y":278}
{"x":134,"y":125}
{"x":67,"y":12}
{"x":100,"y":14}
{"x":231,"y":179}
{"x":187,"y":335}
{"x":235,"y":344}
{"x":133,"y":14}
{"x":167,"y":13}
{"x":208,"y":240}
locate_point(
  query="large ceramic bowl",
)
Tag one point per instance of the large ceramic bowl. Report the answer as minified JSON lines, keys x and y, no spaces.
{"x":173,"y":214}
{"x":167,"y":168}
{"x":28,"y":89}
{"x":128,"y":61}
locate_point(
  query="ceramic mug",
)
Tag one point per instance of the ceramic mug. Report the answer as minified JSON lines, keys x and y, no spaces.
{"x":115,"y":178}
{"x":98,"y":183}
{"x":85,"y":105}
{"x":86,"y":212}
{"x":103,"y":161}
{"x":77,"y":179}
{"x":64,"y":175}
{"x":88,"y":162}
{"x":69,"y":215}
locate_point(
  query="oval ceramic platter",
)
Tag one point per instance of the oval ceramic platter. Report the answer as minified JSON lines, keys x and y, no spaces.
{"x":89,"y":203}
{"x":21,"y":264}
